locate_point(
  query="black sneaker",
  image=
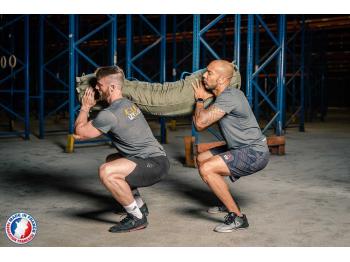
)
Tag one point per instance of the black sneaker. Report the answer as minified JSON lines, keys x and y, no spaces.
{"x":232,"y":222}
{"x":129,"y":223}
{"x":144,"y":209}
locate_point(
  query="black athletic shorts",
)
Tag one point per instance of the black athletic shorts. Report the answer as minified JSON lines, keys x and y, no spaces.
{"x":148,"y":171}
{"x":243,"y":161}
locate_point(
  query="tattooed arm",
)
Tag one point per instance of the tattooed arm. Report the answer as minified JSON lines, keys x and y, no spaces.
{"x":206,"y":117}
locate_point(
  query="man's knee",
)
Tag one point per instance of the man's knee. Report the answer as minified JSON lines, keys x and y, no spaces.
{"x":205,"y":170}
{"x":104,"y":172}
{"x":107,"y":176}
{"x":202,"y":157}
{"x":211,"y":168}
{"x":200,"y":160}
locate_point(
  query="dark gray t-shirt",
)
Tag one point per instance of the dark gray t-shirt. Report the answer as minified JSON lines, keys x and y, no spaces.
{"x":129,"y":130}
{"x":239,"y":126}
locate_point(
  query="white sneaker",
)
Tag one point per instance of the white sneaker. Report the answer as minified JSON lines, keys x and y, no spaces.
{"x":232,"y":222}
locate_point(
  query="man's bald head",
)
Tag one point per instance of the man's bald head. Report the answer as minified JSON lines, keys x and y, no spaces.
{"x":223,"y":68}
{"x":218,"y":75}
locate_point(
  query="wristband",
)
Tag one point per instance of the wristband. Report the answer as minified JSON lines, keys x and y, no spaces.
{"x":199,"y":100}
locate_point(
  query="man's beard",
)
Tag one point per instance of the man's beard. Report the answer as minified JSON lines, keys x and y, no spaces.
{"x":209,"y":88}
{"x":103,"y":96}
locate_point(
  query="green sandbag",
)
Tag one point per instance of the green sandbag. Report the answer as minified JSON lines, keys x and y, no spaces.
{"x":167,"y":99}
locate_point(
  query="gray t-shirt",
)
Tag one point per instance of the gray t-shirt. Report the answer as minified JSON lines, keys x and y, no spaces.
{"x":128,"y":129}
{"x":239,"y":126}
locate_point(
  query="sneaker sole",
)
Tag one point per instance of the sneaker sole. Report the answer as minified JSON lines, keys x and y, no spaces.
{"x":231,"y":230}
{"x":131,"y":230}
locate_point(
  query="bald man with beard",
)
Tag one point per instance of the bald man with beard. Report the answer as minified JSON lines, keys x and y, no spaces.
{"x":246,"y":151}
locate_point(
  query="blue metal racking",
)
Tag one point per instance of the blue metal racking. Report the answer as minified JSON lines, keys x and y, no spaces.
{"x":178,"y":30}
{"x":62,"y":75}
{"x":76,"y":52}
{"x":296,"y":68}
{"x":198,"y":41}
{"x":71,"y":39}
{"x":14,"y":26}
{"x":253,"y":70}
{"x":54,"y":69}
{"x":131,"y":59}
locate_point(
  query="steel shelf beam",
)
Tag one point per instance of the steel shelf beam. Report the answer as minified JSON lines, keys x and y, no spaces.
{"x":75,"y":51}
{"x":297,"y":93}
{"x":72,"y":41}
{"x":176,"y":30}
{"x":131,"y":58}
{"x":237,"y":45}
{"x":22,"y":67}
{"x":198,"y":39}
{"x":45,"y":70}
{"x":255,"y":66}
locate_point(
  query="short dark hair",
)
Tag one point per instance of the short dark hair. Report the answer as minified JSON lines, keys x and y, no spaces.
{"x":108,"y":70}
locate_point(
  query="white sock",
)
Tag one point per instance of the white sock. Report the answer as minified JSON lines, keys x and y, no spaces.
{"x":139,"y":201}
{"x":133,"y":209}
{"x":138,"y":198}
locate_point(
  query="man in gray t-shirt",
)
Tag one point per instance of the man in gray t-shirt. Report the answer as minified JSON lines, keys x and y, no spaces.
{"x":141,"y":161}
{"x":246,"y":150}
{"x":128,"y":129}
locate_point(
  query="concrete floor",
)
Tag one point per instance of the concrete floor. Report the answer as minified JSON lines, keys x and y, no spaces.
{"x":299,"y":199}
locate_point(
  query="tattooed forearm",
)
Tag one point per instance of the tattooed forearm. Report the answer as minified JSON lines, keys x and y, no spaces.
{"x":206,"y":117}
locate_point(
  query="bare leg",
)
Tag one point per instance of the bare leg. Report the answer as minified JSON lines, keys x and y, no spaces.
{"x":204,"y":156}
{"x":113,"y":175}
{"x":212,"y":171}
